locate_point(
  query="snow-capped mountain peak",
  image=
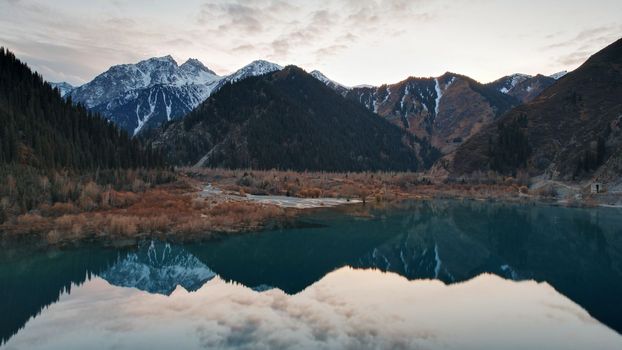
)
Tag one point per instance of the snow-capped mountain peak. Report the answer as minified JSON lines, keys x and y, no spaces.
{"x":512,"y":80}
{"x":522,"y":86}
{"x":63,"y":88}
{"x":193,"y":65}
{"x":558,"y":75}
{"x":320,"y":76}
{"x":324,"y":79}
{"x":364,"y":86}
{"x":168,"y":59}
{"x":339,"y":88}
{"x":146,"y":94}
{"x":255,"y":68}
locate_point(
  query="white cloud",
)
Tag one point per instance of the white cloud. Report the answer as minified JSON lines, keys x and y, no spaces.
{"x":352,"y":41}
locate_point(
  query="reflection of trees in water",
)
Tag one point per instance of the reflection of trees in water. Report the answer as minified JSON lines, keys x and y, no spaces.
{"x":32,"y":280}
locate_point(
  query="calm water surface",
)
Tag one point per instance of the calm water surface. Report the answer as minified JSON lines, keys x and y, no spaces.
{"x":430,"y":275}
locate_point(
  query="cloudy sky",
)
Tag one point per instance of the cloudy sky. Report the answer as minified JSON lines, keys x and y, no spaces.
{"x":351,"y":41}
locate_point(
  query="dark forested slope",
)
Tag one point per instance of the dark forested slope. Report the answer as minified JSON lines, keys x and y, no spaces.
{"x":571,"y":130}
{"x":289,"y":120}
{"x":40,"y":129}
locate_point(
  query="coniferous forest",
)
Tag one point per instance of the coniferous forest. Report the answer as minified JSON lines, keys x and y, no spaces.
{"x":53,"y":151}
{"x":40,"y":129}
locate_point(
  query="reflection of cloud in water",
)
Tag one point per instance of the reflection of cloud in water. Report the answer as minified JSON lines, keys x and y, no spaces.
{"x":348,"y":308}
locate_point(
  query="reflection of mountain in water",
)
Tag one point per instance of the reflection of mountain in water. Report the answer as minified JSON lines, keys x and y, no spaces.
{"x":434,"y":249}
{"x":577,"y":251}
{"x":158,"y":268}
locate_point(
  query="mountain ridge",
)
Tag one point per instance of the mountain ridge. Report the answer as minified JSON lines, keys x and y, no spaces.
{"x":289,"y":120}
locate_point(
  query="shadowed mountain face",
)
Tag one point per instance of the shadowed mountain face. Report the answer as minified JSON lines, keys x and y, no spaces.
{"x":573,"y":130}
{"x":289,"y":120}
{"x":577,"y":251}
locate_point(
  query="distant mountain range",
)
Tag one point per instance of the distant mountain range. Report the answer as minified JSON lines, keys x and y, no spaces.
{"x":517,"y":121}
{"x":144,"y":95}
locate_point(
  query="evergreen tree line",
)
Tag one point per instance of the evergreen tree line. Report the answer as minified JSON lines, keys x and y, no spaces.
{"x":40,"y":129}
{"x":511,"y":149}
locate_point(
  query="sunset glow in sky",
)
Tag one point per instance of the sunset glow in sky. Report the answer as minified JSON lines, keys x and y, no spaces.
{"x":351,"y":41}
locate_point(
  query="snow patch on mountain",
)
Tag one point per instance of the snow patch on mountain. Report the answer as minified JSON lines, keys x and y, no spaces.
{"x":406,"y":93}
{"x":513,"y":80}
{"x":558,"y":75}
{"x":142,"y":120}
{"x":439,"y":95}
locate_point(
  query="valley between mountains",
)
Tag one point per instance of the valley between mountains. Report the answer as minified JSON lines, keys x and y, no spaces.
{"x":136,"y":151}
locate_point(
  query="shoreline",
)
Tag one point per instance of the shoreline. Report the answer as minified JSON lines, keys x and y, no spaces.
{"x":212,"y":205}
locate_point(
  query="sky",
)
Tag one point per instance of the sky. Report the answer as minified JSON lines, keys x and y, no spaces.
{"x":351,"y":41}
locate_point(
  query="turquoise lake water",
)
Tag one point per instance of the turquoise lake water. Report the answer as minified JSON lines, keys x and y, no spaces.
{"x":426,"y":275}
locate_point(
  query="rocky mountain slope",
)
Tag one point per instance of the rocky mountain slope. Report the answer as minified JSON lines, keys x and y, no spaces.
{"x":289,"y":120}
{"x":568,"y":132}
{"x":446,"y":110}
{"x":142,"y":96}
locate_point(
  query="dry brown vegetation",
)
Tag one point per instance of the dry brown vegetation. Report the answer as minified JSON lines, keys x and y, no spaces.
{"x":366,"y":186}
{"x":85,"y":209}
{"x":166,"y":211}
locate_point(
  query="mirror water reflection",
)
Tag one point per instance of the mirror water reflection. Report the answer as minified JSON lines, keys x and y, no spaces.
{"x":431,"y":274}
